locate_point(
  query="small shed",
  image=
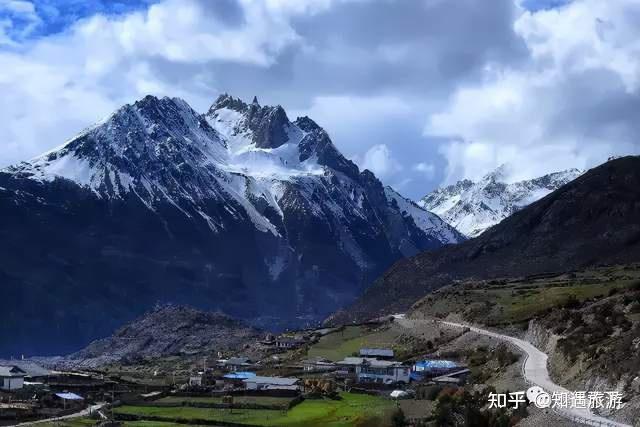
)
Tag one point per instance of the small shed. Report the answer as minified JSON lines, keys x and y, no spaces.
{"x":11,"y":378}
{"x":71,"y":398}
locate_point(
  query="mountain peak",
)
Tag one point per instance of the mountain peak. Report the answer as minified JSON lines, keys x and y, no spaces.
{"x":141,"y":146}
{"x":227,"y":101}
{"x":499,"y":175}
{"x":306,"y":124}
{"x":472,"y":207}
{"x":247,"y":212}
{"x":266,"y":126}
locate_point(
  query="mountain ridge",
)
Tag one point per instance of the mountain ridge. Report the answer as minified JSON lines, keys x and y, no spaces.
{"x":593,"y":220}
{"x":238,"y":209}
{"x":473,"y":207}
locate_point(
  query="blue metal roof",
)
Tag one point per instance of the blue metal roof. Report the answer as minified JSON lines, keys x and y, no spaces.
{"x":69,"y":396}
{"x":427,"y":365}
{"x":239,"y":375}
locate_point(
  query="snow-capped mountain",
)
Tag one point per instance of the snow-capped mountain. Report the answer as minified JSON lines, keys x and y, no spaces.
{"x":472,"y":207}
{"x":238,"y":209}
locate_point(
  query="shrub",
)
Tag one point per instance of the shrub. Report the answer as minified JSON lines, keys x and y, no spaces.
{"x":398,"y":419}
{"x":572,"y":302}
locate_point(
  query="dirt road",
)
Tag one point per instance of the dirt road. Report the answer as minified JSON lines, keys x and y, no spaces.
{"x":534,"y":370}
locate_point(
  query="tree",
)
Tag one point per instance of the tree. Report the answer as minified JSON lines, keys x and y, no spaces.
{"x":398,"y":419}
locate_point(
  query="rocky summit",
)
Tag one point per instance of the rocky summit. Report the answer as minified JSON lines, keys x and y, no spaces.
{"x":238,"y":209}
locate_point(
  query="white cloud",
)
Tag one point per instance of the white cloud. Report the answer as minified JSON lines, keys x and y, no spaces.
{"x":55,"y":86}
{"x":427,"y":169}
{"x":544,"y":90}
{"x":569,"y":106}
{"x":379,"y":160}
{"x":19,"y":7}
{"x":23,"y":11}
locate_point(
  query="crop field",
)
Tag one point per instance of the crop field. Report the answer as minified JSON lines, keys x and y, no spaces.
{"x":347,"y":411}
{"x":338,"y":345}
{"x":258,"y":400}
{"x":85,"y":422}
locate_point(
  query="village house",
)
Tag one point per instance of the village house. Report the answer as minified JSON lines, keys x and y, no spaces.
{"x":378,"y":353}
{"x":430,"y":368}
{"x":11,"y":378}
{"x":272,"y":383}
{"x":318,"y":364}
{"x":370,"y":370}
{"x":347,"y":367}
{"x":236,"y":363}
{"x":269,"y":339}
{"x":289,"y":342}
{"x":383,"y":372}
{"x":235,"y":379}
{"x":195,"y":380}
{"x":34,"y":373}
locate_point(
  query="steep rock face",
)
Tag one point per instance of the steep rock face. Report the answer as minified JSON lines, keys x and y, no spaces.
{"x":593,"y":220}
{"x":238,"y":209}
{"x":472,"y":207}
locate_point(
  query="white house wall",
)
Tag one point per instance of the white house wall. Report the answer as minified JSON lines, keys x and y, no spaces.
{"x":12,"y":383}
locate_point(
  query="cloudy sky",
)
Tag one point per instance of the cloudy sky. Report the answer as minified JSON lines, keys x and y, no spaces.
{"x":422,"y":92}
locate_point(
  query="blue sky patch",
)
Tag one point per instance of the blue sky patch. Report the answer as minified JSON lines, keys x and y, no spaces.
{"x":536,"y":5}
{"x":48,"y":17}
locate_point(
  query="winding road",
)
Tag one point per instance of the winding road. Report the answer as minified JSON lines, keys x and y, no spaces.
{"x":534,"y":370}
{"x":84,"y":413}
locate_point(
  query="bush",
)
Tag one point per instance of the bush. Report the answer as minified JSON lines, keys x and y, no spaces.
{"x":398,"y":419}
{"x":572,"y":302}
{"x":504,"y":356}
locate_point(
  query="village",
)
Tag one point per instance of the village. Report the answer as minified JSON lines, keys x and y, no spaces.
{"x":291,"y":379}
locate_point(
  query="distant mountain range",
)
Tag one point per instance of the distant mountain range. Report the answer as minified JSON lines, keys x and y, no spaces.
{"x":472,"y":207}
{"x":238,"y":209}
{"x":592,"y":220}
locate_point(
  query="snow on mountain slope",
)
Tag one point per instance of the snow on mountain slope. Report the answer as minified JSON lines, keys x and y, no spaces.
{"x":427,"y":221}
{"x":472,"y":207}
{"x":162,"y":149}
{"x":249,"y":213}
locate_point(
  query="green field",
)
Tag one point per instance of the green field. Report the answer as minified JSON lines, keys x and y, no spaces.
{"x":259,"y":400}
{"x":310,"y":413}
{"x":85,"y":422}
{"x":74,"y":422}
{"x":338,"y":345}
{"x":523,"y":307}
